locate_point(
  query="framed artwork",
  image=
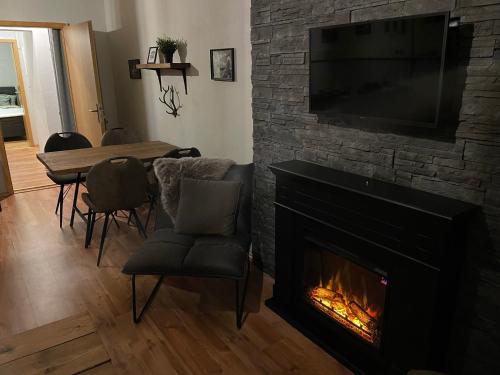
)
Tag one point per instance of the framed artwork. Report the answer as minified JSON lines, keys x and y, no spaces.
{"x":132,"y":69}
{"x":153,"y":51}
{"x":222,"y":64}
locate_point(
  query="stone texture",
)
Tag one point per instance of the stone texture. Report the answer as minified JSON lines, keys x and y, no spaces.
{"x":466,"y":168}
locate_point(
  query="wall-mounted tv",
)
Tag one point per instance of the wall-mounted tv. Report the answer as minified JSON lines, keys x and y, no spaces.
{"x":390,"y":71}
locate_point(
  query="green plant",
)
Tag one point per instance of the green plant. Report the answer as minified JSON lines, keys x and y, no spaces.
{"x":167,"y":45}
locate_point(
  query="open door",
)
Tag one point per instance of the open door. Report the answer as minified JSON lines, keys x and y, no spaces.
{"x":85,"y":88}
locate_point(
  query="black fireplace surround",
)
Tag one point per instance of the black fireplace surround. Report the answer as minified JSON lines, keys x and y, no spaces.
{"x":367,"y":269}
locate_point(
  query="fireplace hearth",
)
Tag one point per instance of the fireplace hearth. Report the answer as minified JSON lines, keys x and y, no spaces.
{"x":367,"y":269}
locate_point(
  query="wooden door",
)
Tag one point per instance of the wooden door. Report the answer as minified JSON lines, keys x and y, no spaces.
{"x":84,"y":84}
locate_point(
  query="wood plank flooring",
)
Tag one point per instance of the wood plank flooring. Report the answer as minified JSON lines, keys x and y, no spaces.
{"x":26,"y":171}
{"x":46,"y":275}
{"x":68,"y":346}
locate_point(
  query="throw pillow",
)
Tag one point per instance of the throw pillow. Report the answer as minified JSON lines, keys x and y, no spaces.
{"x":207,"y":207}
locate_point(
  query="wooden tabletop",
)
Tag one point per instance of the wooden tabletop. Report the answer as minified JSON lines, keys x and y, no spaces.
{"x":81,"y":160}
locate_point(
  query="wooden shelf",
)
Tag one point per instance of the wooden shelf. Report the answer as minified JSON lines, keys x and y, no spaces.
{"x":158,"y":68}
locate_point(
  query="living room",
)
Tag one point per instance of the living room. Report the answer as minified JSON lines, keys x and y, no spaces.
{"x":356,"y":143}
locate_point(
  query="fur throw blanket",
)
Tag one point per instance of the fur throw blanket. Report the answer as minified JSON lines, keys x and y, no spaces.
{"x":169,"y":173}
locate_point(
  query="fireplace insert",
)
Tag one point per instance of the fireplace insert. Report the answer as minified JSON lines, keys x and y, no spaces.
{"x":367,"y":269}
{"x":351,"y":294}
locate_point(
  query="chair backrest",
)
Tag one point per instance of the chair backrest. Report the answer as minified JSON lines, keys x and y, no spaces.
{"x":117,"y":136}
{"x":244,"y":174}
{"x":66,"y":141}
{"x":117,"y":184}
{"x":179,"y":153}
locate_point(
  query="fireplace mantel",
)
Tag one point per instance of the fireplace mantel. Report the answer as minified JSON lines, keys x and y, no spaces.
{"x":413,"y":240}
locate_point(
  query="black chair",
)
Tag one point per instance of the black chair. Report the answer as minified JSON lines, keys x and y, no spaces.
{"x":166,"y":252}
{"x":117,"y":136}
{"x":114,"y":185}
{"x":61,"y":142}
{"x":153,"y":191}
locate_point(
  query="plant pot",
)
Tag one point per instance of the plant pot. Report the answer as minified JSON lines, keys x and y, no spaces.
{"x":167,"y":57}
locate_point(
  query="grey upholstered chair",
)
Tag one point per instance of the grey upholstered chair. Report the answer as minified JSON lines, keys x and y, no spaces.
{"x":166,"y":252}
{"x":61,"y":142}
{"x":117,"y":136}
{"x":114,"y":184}
{"x":153,"y":191}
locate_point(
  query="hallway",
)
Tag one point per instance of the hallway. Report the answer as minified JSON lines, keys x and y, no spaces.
{"x":26,"y":171}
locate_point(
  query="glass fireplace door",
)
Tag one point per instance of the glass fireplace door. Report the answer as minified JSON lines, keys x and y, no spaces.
{"x":350,"y":294}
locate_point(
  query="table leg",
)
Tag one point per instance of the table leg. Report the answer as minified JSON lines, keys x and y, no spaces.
{"x":75,"y":199}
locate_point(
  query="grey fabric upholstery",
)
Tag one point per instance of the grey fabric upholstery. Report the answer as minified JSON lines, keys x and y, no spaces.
{"x":65,"y":179}
{"x":118,"y":136}
{"x":167,"y":252}
{"x":207,"y":207}
{"x":116,"y":184}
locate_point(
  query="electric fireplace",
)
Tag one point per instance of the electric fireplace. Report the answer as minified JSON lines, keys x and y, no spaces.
{"x":351,"y":294}
{"x":367,"y":269}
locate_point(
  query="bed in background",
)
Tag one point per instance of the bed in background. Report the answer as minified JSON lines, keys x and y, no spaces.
{"x":11,"y":115}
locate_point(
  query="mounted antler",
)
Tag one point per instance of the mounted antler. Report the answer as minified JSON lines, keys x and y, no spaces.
{"x":174,"y":103}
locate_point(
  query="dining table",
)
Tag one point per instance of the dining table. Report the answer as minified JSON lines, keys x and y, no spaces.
{"x":80,"y":161}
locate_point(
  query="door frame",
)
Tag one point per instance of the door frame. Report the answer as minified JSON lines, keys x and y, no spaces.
{"x":5,"y":168}
{"x":22,"y":92}
{"x":3,"y":153}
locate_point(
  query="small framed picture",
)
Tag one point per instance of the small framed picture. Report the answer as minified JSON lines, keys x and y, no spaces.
{"x":132,"y":69}
{"x":153,"y":51}
{"x":222,"y":64}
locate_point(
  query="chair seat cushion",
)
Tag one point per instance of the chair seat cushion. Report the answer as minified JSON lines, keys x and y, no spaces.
{"x":163,"y":252}
{"x":170,"y":253}
{"x":216,"y":256}
{"x":65,"y":179}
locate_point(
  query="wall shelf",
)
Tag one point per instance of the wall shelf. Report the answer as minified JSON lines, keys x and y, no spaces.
{"x":158,"y":68}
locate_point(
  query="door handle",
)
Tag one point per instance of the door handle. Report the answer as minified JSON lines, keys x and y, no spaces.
{"x":93,"y":110}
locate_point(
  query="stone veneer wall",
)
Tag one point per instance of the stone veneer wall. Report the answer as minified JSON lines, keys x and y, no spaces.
{"x":467,"y":169}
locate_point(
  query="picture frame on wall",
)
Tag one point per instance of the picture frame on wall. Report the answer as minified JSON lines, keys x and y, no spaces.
{"x":132,"y":69}
{"x":222,"y":64}
{"x":153,"y":52}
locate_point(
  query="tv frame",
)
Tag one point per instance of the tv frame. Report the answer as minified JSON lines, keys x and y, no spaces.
{"x":387,"y":122}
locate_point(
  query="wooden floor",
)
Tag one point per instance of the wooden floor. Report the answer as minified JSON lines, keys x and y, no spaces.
{"x":68,"y":346}
{"x":26,"y":171}
{"x":46,"y":275}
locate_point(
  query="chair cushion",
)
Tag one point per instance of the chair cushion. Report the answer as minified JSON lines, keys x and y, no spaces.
{"x":207,"y":207}
{"x":167,"y":252}
{"x":163,"y":252}
{"x":216,"y":256}
{"x":65,"y":179}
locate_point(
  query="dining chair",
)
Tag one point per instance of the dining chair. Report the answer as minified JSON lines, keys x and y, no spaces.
{"x":61,"y":142}
{"x":153,"y":188}
{"x":117,"y":136}
{"x":116,"y":184}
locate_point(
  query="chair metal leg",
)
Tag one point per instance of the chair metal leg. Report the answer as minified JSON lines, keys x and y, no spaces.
{"x":89,"y":225}
{"x":103,"y":237}
{"x":240,"y":304}
{"x":61,"y":204}
{"x":137,"y":318}
{"x":75,"y":199}
{"x":140,"y":228}
{"x":60,"y":198}
{"x":114,"y":219}
{"x":92,"y":223}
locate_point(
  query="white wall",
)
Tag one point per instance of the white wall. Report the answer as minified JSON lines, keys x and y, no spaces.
{"x":216,"y":116}
{"x":7,"y":68}
{"x":67,"y":11}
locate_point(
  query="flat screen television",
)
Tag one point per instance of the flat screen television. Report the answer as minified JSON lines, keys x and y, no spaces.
{"x":390,"y":71}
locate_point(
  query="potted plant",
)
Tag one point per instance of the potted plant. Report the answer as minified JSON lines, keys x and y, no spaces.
{"x":167,"y":47}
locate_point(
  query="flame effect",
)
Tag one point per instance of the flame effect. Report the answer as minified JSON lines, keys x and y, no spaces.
{"x":350,"y":310}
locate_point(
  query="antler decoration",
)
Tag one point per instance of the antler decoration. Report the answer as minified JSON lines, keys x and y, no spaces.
{"x":173,"y":102}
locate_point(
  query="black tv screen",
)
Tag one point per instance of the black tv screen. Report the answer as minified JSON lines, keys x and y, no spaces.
{"x":390,"y":70}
